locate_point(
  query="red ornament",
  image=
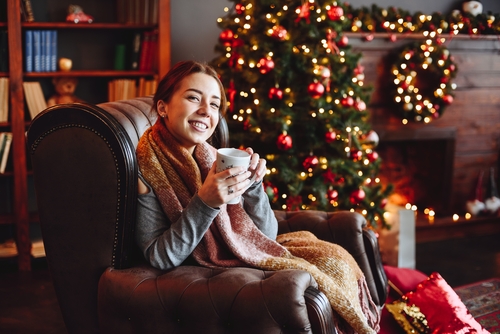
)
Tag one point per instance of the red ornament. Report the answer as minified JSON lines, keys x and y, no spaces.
{"x":330,"y":136}
{"x":279,"y":32}
{"x":304,"y":13}
{"x":448,"y":99}
{"x":271,"y":190}
{"x":356,"y":155}
{"x":247,"y":125}
{"x":393,"y":38}
{"x":347,"y":101}
{"x":343,"y":42}
{"x":240,"y":9}
{"x":275,"y":93}
{"x":329,"y":177}
{"x":226,"y":37}
{"x":316,"y":89}
{"x":335,"y":13}
{"x":293,"y":203}
{"x":361,"y":106}
{"x":310,"y":162}
{"x":357,"y":196}
{"x":369,"y":38}
{"x":332,"y":194}
{"x":372,"y":156}
{"x":284,"y":142}
{"x":265,"y":65}
{"x":383,"y":203}
{"x":231,"y":93}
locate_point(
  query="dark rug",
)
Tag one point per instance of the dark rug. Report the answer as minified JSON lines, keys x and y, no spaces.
{"x":482,"y":299}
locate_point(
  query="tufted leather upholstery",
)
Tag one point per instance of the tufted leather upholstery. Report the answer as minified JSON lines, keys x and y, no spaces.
{"x":85,"y":174}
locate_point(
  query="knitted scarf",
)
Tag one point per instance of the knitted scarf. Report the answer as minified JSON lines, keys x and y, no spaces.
{"x":233,"y":239}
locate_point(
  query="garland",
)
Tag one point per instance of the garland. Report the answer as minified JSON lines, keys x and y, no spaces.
{"x":421,"y":83}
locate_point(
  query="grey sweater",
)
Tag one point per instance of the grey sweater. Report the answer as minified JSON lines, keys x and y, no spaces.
{"x":168,"y":244}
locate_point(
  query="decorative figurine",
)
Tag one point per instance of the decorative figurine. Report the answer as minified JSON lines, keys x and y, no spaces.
{"x":76,"y":15}
{"x":473,"y":7}
{"x":65,"y":64}
{"x":65,"y":89}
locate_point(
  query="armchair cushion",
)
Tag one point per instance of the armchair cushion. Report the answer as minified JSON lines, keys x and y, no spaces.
{"x":194,"y":299}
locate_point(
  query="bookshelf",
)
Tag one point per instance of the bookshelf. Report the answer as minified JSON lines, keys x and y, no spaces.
{"x":92,"y":53}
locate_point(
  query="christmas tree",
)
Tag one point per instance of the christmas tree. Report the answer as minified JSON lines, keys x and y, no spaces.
{"x":297,"y":97}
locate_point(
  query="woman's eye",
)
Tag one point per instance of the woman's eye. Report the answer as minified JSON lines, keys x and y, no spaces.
{"x":215,"y":106}
{"x":193,"y":98}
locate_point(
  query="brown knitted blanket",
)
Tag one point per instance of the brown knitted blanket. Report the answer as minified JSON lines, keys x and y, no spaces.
{"x":233,"y":239}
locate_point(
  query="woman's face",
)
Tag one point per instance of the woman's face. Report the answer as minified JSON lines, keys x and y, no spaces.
{"x":192,"y":113}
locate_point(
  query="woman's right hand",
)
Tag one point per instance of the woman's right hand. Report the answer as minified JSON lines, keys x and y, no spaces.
{"x":220,"y":188}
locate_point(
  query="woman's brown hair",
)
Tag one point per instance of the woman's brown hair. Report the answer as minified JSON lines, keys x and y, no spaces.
{"x":170,"y":82}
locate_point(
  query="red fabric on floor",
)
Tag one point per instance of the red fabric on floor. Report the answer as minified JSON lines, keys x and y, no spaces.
{"x":406,"y":280}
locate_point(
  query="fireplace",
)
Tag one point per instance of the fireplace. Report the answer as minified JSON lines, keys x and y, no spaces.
{"x":418,"y":162}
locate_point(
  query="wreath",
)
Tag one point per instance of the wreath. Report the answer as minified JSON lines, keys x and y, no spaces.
{"x":421,"y":82}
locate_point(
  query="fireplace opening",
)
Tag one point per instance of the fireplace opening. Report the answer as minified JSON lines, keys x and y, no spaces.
{"x":419,"y":164}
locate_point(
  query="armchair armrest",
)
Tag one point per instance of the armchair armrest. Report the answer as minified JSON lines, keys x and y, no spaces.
{"x":192,"y":299}
{"x":347,"y":229}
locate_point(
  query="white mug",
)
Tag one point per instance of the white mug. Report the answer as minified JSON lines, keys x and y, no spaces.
{"x":232,"y":157}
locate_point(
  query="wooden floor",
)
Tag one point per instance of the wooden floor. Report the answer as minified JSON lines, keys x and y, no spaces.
{"x":28,"y":303}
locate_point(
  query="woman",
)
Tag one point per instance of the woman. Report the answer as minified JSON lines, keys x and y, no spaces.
{"x":182,"y":208}
{"x":190,"y":101}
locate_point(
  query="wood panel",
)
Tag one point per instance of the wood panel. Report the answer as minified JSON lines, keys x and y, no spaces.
{"x":474,"y":114}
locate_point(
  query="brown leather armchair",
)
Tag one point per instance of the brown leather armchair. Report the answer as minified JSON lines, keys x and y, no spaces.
{"x":85,"y":172}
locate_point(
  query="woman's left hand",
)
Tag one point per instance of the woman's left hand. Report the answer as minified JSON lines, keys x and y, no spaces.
{"x":257,"y":165}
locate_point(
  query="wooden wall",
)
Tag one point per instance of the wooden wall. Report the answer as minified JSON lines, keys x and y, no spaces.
{"x":474,"y":116}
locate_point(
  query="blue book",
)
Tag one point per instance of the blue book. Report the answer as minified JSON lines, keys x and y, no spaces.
{"x":53,"y":50}
{"x":28,"y":50}
{"x":43,"y":50}
{"x":37,"y":51}
{"x":47,"y":49}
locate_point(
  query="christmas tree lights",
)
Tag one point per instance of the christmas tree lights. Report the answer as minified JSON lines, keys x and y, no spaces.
{"x":297,"y":96}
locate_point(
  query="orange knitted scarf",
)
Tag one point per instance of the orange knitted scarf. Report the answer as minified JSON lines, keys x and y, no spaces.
{"x":233,"y":239}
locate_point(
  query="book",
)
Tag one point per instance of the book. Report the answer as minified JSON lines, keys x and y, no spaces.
{"x":145,"y":46}
{"x":34,"y":97}
{"x":43,"y":50}
{"x":136,"y":48}
{"x":5,"y":151}
{"x":119,"y":63}
{"x":153,"y":12}
{"x":4,"y":100}
{"x":28,"y":50}
{"x":37,"y":51}
{"x":48,"y":47}
{"x":28,"y":10}
{"x":53,"y":50}
{"x":153,"y":52}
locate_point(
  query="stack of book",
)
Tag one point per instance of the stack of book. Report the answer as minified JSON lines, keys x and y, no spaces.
{"x":138,"y":11}
{"x":40,"y":49}
{"x":4,"y":100}
{"x":125,"y":89}
{"x":5,"y":143}
{"x":34,"y":97}
{"x":144,"y":51}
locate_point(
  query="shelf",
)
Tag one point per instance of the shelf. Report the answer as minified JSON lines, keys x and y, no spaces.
{"x":89,"y":73}
{"x":102,"y":26}
{"x":447,"y":228}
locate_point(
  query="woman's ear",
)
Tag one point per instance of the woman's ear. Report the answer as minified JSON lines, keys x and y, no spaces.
{"x":162,"y":109}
